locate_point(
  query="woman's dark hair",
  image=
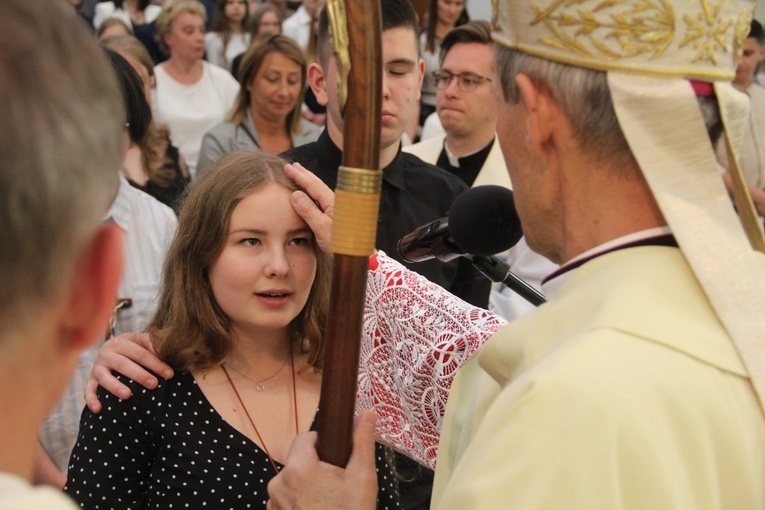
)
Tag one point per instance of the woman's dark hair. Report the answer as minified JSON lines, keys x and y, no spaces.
{"x":142,"y":4}
{"x":432,"y":20}
{"x":137,"y":110}
{"x":220,"y":23}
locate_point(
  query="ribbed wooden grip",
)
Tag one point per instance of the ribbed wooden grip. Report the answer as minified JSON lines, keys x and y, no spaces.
{"x":354,"y":228}
{"x":357,"y":205}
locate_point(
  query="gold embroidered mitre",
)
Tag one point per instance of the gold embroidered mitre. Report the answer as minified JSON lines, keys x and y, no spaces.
{"x":697,"y":39}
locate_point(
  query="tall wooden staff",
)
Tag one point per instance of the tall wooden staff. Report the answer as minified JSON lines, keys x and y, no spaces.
{"x":357,"y":39}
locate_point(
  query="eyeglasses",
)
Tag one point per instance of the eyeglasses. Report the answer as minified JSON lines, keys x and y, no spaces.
{"x":466,"y":81}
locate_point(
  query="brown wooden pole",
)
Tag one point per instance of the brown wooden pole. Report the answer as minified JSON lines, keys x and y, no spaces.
{"x":354,"y":230}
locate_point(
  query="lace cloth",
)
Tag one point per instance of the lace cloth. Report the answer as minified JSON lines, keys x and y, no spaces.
{"x":416,"y":336}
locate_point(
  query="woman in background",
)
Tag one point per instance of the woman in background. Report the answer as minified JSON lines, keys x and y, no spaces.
{"x":191,"y":95}
{"x":442,"y":16}
{"x":155,"y":166}
{"x":228,"y":35}
{"x":265,"y":19}
{"x":267,"y":114}
{"x":113,"y":27}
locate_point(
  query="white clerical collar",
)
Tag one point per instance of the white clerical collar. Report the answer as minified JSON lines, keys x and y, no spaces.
{"x":454,"y":161}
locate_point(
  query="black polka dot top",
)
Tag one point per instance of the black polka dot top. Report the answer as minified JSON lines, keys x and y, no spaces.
{"x":168,"y":448}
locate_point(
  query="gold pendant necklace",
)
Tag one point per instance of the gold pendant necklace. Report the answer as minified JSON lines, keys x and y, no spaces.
{"x":247,"y":413}
{"x":259,"y":384}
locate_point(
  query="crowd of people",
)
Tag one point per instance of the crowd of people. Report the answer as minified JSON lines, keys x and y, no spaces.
{"x":167,"y":202}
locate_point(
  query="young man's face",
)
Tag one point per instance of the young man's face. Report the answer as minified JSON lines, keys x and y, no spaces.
{"x":403,"y":71}
{"x":751,"y":55}
{"x":465,"y":112}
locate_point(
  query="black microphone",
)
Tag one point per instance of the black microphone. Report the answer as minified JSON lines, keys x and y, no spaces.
{"x":497,"y":271}
{"x":481,"y":222}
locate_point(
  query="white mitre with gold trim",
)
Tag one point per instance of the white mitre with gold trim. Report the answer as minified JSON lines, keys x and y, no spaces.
{"x":693,"y":39}
{"x":650,"y":50}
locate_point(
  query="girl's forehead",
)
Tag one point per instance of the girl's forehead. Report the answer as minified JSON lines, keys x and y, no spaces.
{"x":270,"y":199}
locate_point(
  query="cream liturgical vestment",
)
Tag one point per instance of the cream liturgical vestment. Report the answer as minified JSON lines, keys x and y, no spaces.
{"x":623,"y":392}
{"x":753,"y":150}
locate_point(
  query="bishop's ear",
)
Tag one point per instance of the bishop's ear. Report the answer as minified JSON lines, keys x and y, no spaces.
{"x":92,"y":293}
{"x":539,"y":109}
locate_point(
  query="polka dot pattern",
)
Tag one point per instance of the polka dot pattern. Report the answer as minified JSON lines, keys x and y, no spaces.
{"x":168,"y":448}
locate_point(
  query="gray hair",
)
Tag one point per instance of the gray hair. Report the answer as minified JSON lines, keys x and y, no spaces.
{"x":583,"y":95}
{"x":60,"y":147}
{"x":585,"y":98}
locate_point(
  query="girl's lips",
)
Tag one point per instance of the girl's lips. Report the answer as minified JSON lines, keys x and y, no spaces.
{"x":273,"y":299}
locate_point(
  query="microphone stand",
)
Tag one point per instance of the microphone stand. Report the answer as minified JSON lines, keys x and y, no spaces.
{"x":497,"y":271}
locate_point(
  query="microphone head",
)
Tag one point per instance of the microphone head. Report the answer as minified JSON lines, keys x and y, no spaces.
{"x":429,"y":241}
{"x":483,"y":220}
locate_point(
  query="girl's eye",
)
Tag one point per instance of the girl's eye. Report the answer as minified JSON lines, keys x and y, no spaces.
{"x":251,"y":241}
{"x":301,"y":241}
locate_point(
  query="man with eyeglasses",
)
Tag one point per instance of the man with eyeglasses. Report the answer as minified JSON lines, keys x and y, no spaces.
{"x":469,"y":149}
{"x":467,"y":110}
